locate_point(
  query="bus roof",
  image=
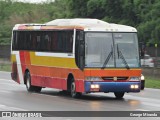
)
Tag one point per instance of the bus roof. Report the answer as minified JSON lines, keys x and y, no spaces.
{"x":77,"y":23}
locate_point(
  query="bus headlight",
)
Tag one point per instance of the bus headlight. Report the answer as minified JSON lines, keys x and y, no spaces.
{"x":134,"y":79}
{"x":142,"y":77}
{"x":94,"y":86}
{"x":93,"y":79}
{"x":134,"y":86}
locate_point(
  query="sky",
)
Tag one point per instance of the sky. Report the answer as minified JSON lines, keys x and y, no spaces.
{"x":34,"y":1}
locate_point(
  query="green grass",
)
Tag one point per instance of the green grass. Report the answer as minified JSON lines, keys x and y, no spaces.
{"x":152,"y":82}
{"x":5,"y":67}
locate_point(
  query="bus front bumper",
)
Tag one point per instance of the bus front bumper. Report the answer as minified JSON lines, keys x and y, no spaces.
{"x":112,"y":86}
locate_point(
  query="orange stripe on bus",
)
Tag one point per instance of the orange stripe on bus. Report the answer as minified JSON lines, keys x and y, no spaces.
{"x":61,"y":27}
{"x":55,"y":72}
{"x":27,"y":58}
{"x":113,"y":72}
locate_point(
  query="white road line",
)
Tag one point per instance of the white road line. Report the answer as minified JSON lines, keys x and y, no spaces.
{"x":4,"y":91}
{"x":11,"y":108}
{"x":142,"y":110}
{"x":7,"y":80}
{"x":14,"y":84}
{"x":151,"y":104}
{"x":143,"y":98}
{"x":9,"y":84}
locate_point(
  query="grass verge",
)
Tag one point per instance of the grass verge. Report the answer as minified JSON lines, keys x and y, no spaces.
{"x":5,"y":67}
{"x":152,"y":82}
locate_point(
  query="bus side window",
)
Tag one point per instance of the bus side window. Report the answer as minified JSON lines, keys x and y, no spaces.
{"x":64,"y":41}
{"x":38,"y":43}
{"x":60,"y":42}
{"x":25,"y":40}
{"x":29,"y":40}
{"x":34,"y":42}
{"x":18,"y":40}
{"x":46,"y":42}
{"x":22,"y":44}
{"x":42,"y":41}
{"x":54,"y":41}
{"x":69,"y":44}
{"x":14,"y":40}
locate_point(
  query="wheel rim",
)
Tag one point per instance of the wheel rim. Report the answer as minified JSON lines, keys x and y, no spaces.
{"x":73,"y":89}
{"x":28,"y":83}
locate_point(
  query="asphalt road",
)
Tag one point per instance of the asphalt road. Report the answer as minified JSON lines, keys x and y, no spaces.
{"x":14,"y":97}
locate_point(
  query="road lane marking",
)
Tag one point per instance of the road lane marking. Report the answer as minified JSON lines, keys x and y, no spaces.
{"x":11,"y":108}
{"x":3,"y":91}
{"x":143,"y":98}
{"x":6,"y":79}
{"x":10,"y":84}
{"x":142,"y":110}
{"x":151,"y":104}
{"x":2,"y":105}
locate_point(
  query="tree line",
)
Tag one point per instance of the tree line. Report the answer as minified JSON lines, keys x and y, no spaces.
{"x":142,"y":14}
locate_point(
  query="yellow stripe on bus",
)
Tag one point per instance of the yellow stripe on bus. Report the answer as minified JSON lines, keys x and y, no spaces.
{"x":52,"y":61}
{"x":13,"y":58}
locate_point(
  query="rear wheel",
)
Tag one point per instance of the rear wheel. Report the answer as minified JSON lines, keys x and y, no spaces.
{"x":74,"y":94}
{"x":37,"y":89}
{"x":31,"y":88}
{"x":119,"y":95}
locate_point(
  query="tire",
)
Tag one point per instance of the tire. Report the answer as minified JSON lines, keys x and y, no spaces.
{"x":142,"y":88}
{"x":74,"y":94}
{"x":37,"y":89}
{"x":29,"y":87}
{"x":119,"y":95}
{"x":142,"y":85}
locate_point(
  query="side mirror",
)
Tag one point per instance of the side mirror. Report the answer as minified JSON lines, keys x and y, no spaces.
{"x":141,"y":54}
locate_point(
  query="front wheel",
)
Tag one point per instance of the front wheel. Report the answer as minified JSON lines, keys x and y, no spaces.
{"x":74,"y":94}
{"x":31,"y":88}
{"x":142,"y":85}
{"x":119,"y":95}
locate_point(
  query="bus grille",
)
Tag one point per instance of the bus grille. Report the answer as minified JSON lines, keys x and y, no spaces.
{"x":115,"y":78}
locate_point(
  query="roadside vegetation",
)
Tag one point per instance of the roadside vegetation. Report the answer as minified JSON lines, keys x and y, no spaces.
{"x":5,"y":67}
{"x":152,"y":82}
{"x":142,"y":14}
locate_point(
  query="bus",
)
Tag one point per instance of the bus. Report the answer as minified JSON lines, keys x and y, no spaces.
{"x":77,"y":55}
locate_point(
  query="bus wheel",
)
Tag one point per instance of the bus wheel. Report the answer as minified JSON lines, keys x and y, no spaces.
{"x":28,"y":82}
{"x":74,"y":94}
{"x":119,"y":95}
{"x":37,"y":89}
{"x":29,"y":87}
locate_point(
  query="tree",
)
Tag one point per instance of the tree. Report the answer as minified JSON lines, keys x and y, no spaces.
{"x":78,"y":8}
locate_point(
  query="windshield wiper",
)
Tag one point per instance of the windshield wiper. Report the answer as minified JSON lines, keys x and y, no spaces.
{"x":120,"y":55}
{"x":107,"y":59}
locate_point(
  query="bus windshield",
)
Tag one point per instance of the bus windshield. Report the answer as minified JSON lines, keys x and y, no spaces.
{"x":111,"y":50}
